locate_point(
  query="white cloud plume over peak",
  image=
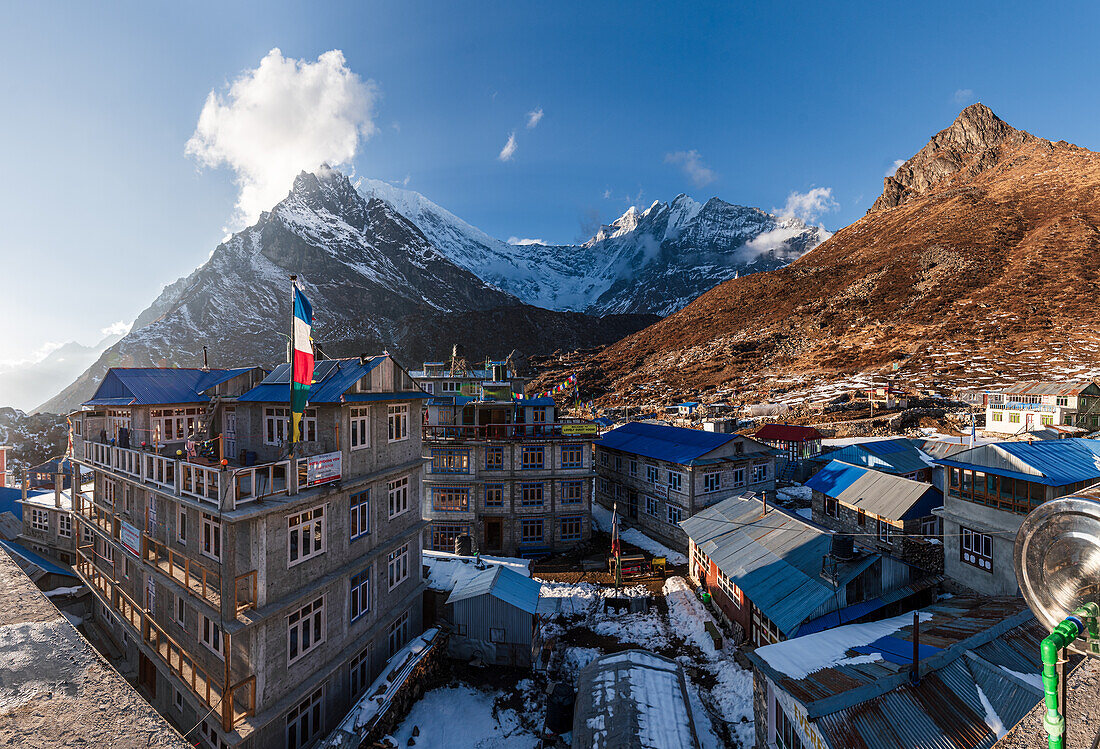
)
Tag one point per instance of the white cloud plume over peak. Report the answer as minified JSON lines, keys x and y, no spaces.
{"x":894,"y":167}
{"x":533,"y":118}
{"x":281,"y":118}
{"x":692,"y":165}
{"x":509,"y":149}
{"x":119,"y":328}
{"x":963,"y":95}
{"x":517,"y":240}
{"x":808,"y":206}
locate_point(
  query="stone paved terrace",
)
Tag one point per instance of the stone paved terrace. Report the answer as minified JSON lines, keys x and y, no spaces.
{"x":55,"y":689}
{"x":1083,"y":714}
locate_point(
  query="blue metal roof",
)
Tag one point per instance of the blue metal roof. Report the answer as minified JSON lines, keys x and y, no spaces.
{"x":10,"y":498}
{"x":835,"y":477}
{"x":501,"y":583}
{"x":149,"y":386}
{"x":534,"y":401}
{"x":674,"y":444}
{"x":893,"y":456}
{"x":379,"y":397}
{"x":775,"y":559}
{"x":1055,"y":462}
{"x":331,"y":379}
{"x":36,"y":559}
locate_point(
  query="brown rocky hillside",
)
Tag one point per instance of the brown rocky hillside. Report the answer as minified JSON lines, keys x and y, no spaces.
{"x":978,"y":264}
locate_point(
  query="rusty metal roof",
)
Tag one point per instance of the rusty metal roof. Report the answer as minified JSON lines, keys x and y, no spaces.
{"x":1039,"y":387}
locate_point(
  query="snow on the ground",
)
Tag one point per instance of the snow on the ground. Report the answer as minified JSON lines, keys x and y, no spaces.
{"x":582,"y":597}
{"x":687,"y":615}
{"x":601,"y":516}
{"x":440,"y":712}
{"x":799,"y":492}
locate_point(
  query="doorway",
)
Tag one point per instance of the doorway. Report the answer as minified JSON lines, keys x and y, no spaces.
{"x":494,"y":533}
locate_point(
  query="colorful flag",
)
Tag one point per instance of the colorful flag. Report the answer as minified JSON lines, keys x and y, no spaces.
{"x":301,"y":363}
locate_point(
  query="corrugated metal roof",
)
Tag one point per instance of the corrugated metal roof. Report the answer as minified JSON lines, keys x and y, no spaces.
{"x":1039,"y":387}
{"x":1049,"y":462}
{"x":883,"y":494}
{"x":331,"y":379}
{"x":787,"y":433}
{"x":674,"y":444}
{"x":19,"y":551}
{"x":148,"y":386}
{"x":776,"y":559}
{"x":859,"y":610}
{"x":501,"y":583}
{"x":893,"y":456}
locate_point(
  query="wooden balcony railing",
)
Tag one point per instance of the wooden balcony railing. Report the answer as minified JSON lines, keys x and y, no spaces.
{"x":189,"y":573}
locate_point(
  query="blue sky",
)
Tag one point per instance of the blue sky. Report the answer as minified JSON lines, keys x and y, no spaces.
{"x":101,"y":207}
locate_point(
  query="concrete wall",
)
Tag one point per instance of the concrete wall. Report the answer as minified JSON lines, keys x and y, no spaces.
{"x":1001,"y":525}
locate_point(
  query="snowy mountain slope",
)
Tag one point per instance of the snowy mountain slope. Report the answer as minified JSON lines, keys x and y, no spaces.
{"x":651,"y":261}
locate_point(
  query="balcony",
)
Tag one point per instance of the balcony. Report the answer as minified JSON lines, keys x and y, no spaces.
{"x":222,"y":487}
{"x":1043,"y":407}
{"x":198,"y":578}
{"x":235,"y":704}
{"x":579,"y":431}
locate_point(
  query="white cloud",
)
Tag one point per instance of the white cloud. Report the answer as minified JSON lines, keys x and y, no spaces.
{"x":509,"y":149}
{"x":808,"y":205}
{"x":894,"y":167}
{"x":963,"y":96}
{"x":119,"y":328}
{"x":533,"y":118}
{"x":692,"y":165}
{"x":283,"y":117}
{"x":517,"y":240}
{"x":607,"y":194}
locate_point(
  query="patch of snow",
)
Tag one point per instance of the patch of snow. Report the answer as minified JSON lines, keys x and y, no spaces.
{"x":440,"y":712}
{"x":991,"y":718}
{"x":1035,"y":680}
{"x":601,"y":516}
{"x":801,"y":493}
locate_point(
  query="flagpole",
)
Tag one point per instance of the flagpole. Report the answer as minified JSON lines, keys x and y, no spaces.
{"x":290,"y":379}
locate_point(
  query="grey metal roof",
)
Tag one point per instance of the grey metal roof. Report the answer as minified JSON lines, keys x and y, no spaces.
{"x":775,"y":559}
{"x":1039,"y":387}
{"x":887,"y":495}
{"x":501,"y":583}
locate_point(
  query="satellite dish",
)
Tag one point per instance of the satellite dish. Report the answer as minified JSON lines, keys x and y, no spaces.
{"x":1057,"y":559}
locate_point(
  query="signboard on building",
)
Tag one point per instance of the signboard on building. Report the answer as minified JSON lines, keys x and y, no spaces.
{"x":579,"y":428}
{"x":322,"y":469}
{"x":796,"y":714}
{"x":131,"y":539}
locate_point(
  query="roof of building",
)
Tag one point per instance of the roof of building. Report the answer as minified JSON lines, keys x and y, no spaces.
{"x":1040,"y":387}
{"x":10,"y":500}
{"x":147,"y":386}
{"x":674,"y":444}
{"x":332,"y":378}
{"x":56,"y":690}
{"x":446,"y":570}
{"x":775,"y":559}
{"x":502,"y":583}
{"x":48,"y":498}
{"x":876,"y":492}
{"x":978,"y":663}
{"x":633,"y":700}
{"x":787,"y":433}
{"x":1048,"y":462}
{"x":938,"y":448}
{"x":897,"y":455}
{"x":21,"y":552}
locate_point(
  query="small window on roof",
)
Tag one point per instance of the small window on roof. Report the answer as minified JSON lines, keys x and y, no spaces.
{"x":362,"y":385}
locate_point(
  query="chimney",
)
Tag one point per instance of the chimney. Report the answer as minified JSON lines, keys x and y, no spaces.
{"x":914,"y":673}
{"x":58,"y":483}
{"x":764,"y":498}
{"x":205,"y":361}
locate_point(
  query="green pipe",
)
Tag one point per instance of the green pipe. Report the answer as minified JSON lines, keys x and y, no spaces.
{"x":1062,"y":635}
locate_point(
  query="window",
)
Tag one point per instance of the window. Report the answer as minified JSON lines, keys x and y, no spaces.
{"x":730,"y":589}
{"x":305,"y":535}
{"x":303,"y":723}
{"x":1047,"y":420}
{"x":398,"y":565}
{"x":211,"y":536}
{"x":451,"y":498}
{"x":360,"y":594}
{"x":651,"y":505}
{"x":359,"y":428}
{"x":1061,"y":400}
{"x":1014,"y":418}
{"x":494,"y":495}
{"x":998,"y":416}
{"x":450,"y":461}
{"x":651,"y":474}
{"x":277,"y":425}
{"x":497,"y":634}
{"x":571,"y":529}
{"x":785,"y":735}
{"x":572,"y":456}
{"x":181,"y":527}
{"x":531,"y":458}
{"x":832,"y":507}
{"x":398,"y":496}
{"x":531,"y":531}
{"x":211,"y":634}
{"x":711,"y":482}
{"x":450,"y":387}
{"x":109,"y":492}
{"x":531,"y":495}
{"x":181,"y":611}
{"x":633,"y":468}
{"x":360,"y":514}
{"x":399,"y":633}
{"x":494,"y":458}
{"x":738,"y":476}
{"x":759,"y":473}
{"x":177,"y":698}
{"x":764,"y":632}
{"x":360,"y":671}
{"x":619,"y":463}
{"x":398,"y":420}
{"x":87,"y":535}
{"x":40,"y":520}
{"x":444,"y":535}
{"x":572,"y":492}
{"x":675,"y":514}
{"x":885,"y":531}
{"x":305,"y":629}
{"x":930,"y":526}
{"x":64,"y":525}
{"x":538,"y":415}
{"x":976,"y":549}
{"x":429,"y":388}
{"x":675,"y":481}
{"x":604,"y":458}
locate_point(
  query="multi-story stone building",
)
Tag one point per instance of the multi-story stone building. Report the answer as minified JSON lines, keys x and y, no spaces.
{"x":258,"y":597}
{"x":48,"y":522}
{"x":506,"y":471}
{"x":661,"y":475}
{"x":1032,"y":405}
{"x":458,"y":379}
